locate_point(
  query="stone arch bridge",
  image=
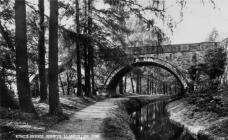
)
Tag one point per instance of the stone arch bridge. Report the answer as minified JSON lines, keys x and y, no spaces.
{"x":175,"y":58}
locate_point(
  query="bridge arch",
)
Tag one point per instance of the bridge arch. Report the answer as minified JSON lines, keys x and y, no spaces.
{"x":119,"y":72}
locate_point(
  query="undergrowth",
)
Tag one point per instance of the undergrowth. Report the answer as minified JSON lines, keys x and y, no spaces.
{"x":208,"y":100}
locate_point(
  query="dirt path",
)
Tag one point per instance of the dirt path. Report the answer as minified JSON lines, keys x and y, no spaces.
{"x":86,"y":124}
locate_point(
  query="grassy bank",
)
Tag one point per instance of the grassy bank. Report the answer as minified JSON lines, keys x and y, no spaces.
{"x":200,"y":124}
{"x":14,"y":122}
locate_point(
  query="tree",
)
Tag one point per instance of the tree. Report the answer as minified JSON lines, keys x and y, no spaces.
{"x":87,"y":52}
{"x":121,"y":86}
{"x":54,"y":104}
{"x":78,"y":51}
{"x":213,"y":36}
{"x":213,"y":67}
{"x":215,"y":61}
{"x":23,"y":87}
{"x":41,"y":47}
{"x":90,"y":47}
{"x":109,"y":31}
{"x":6,"y":96}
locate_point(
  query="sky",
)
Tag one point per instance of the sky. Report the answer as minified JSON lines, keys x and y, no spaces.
{"x":199,"y":20}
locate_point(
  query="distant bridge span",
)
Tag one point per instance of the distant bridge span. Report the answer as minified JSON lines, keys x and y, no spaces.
{"x":172,"y":48}
{"x":174,"y":58}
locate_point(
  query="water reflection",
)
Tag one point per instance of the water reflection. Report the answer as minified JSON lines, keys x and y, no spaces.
{"x":152,"y":123}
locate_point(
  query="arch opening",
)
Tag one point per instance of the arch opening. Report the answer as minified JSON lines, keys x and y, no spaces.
{"x":113,"y":83}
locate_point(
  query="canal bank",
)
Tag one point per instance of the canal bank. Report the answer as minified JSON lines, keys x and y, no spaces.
{"x":117,"y":126}
{"x":111,"y":119}
{"x":201,"y":125}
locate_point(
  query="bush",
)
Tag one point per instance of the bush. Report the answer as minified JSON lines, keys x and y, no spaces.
{"x":209,"y":72}
{"x":215,"y":61}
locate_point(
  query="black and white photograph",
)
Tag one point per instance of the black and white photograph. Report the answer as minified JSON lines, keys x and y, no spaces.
{"x":114,"y":69}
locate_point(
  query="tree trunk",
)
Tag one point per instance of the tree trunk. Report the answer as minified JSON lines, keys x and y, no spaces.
{"x":125,"y":84}
{"x":54,"y":105}
{"x":152,"y":87}
{"x":155,"y":87}
{"x":87,"y":71}
{"x":79,"y":74}
{"x":163,"y":87}
{"x":6,"y":96}
{"x":41,"y":47}
{"x":86,"y":57}
{"x":90,"y":48}
{"x":148,"y":85}
{"x":140,"y":84}
{"x":175,"y":88}
{"x":132,"y":85}
{"x":23,"y":87}
{"x":121,"y":86}
{"x":60,"y":79}
{"x":93,"y":82}
{"x":68,"y":82}
{"x":137,"y":83}
{"x":170,"y":89}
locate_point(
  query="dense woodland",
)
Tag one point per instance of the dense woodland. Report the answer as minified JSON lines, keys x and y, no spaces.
{"x":67,"y":51}
{"x":51,"y":49}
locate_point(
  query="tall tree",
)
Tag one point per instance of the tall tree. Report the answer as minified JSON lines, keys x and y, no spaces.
{"x":22,"y":58}
{"x":41,"y":47}
{"x":78,"y":51}
{"x":86,"y":54}
{"x":54,"y":104}
{"x":90,"y":48}
{"x":87,"y":71}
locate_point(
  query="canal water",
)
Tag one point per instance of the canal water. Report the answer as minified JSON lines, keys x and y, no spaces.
{"x":152,"y":122}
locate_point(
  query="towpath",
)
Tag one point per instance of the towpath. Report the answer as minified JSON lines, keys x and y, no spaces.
{"x":87,"y":124}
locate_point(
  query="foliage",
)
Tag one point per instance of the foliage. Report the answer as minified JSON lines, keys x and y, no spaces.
{"x":110,"y":32}
{"x":192,"y":71}
{"x":215,"y":62}
{"x":7,"y":98}
{"x":206,"y":97}
{"x":213,"y":36}
{"x":7,"y":42}
{"x":213,"y":67}
{"x":207,"y":100}
{"x":7,"y":50}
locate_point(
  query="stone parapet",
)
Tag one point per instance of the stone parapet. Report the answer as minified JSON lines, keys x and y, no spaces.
{"x":175,"y":48}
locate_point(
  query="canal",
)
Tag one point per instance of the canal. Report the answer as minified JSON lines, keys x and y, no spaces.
{"x":151,"y":122}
